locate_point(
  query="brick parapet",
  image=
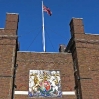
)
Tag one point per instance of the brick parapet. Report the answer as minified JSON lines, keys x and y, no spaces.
{"x":44,"y":61}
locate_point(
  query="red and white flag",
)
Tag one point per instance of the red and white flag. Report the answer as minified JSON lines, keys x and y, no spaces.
{"x":47,"y":10}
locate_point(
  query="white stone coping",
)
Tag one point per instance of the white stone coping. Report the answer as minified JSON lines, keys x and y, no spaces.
{"x":44,"y":52}
{"x":26,"y":92}
{"x":92,"y":33}
{"x":13,"y":13}
{"x":76,"y":18}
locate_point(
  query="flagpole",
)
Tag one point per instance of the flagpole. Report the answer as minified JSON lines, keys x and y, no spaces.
{"x":43,"y":30}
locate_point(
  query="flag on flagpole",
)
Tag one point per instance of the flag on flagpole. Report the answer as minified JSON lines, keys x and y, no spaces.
{"x":47,"y":10}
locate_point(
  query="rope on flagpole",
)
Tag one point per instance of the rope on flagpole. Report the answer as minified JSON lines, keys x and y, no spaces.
{"x":43,"y":30}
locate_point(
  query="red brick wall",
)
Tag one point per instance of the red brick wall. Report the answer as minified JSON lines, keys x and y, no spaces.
{"x":88,"y":59}
{"x":7,"y":57}
{"x":44,"y":61}
{"x":82,"y":62}
{"x":86,"y":48}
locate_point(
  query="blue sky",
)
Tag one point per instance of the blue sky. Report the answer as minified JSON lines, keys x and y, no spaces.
{"x":57,"y":30}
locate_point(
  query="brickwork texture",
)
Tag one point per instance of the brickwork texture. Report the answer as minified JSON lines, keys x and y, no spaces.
{"x":78,"y":63}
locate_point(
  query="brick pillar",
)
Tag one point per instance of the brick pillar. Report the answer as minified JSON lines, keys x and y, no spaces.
{"x":77,"y":31}
{"x":11,"y":24}
{"x":76,"y":26}
{"x":83,"y":50}
{"x":8,"y":50}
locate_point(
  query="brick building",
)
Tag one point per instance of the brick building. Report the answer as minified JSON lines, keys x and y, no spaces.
{"x":78,"y":63}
